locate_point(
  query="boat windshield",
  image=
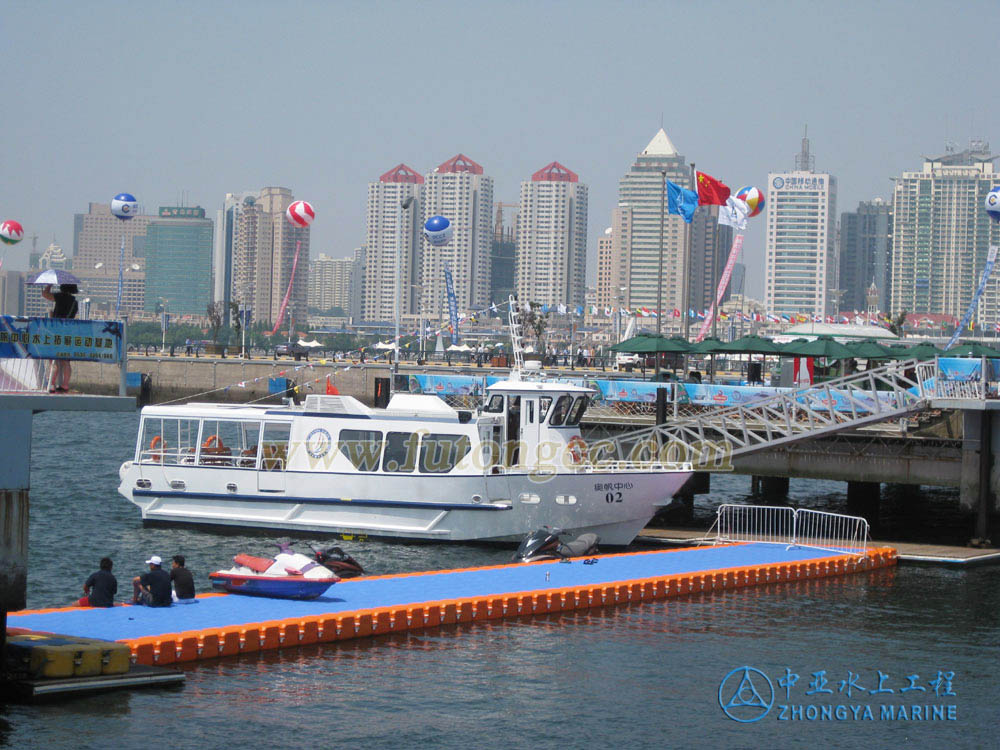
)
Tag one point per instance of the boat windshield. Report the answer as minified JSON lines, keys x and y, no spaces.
{"x":577,"y":410}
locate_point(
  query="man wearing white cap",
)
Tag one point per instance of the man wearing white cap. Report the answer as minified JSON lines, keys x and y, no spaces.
{"x":153,"y":588}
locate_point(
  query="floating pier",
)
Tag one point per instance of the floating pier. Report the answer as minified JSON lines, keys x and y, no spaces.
{"x":227,"y":625}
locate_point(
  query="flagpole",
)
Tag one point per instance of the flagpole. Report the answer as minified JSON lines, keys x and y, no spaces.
{"x":685,"y":272}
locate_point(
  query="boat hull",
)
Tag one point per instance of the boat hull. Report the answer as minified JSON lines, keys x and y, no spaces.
{"x":274,"y":587}
{"x":493,"y":507}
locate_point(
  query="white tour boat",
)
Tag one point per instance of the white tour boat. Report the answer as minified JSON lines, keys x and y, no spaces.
{"x":418,"y":469}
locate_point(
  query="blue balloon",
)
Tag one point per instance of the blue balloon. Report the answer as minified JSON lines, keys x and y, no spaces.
{"x":124,"y":206}
{"x":438,"y":230}
{"x":993,"y":203}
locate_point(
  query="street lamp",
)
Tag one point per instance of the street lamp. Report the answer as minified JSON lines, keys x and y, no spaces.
{"x":163,"y":324}
{"x":404,"y":204}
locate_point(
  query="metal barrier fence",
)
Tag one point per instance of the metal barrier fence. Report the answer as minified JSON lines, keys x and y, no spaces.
{"x":769,"y":524}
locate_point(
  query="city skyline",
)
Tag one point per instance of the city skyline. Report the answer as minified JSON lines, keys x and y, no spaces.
{"x":157,"y":102}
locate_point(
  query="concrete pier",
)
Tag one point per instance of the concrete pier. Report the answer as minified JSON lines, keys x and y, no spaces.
{"x":16,"y":411}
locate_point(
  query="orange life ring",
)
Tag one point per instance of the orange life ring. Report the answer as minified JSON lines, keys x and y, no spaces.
{"x":577,"y":448}
{"x":155,"y":443}
{"x":212,"y":441}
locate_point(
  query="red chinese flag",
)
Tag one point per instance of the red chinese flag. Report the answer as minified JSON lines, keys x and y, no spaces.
{"x":331,"y":389}
{"x":711,"y":192}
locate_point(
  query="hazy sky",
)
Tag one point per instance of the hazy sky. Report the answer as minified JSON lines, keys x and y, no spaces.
{"x":322,"y":97}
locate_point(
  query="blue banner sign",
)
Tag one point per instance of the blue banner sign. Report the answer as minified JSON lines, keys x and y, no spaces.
{"x":452,"y":304}
{"x":58,"y":338}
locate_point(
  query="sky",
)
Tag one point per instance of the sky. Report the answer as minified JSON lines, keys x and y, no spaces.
{"x":198,"y":99}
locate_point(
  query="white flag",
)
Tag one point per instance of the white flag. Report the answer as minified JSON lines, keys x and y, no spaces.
{"x":734,"y":213}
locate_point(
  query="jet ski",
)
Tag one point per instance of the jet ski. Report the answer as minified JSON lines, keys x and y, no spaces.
{"x":287,"y":575}
{"x":341,"y":563}
{"x":544,"y":544}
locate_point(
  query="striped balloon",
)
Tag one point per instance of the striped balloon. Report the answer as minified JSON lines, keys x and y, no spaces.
{"x":11,"y":232}
{"x":753,"y":198}
{"x":300,"y":214}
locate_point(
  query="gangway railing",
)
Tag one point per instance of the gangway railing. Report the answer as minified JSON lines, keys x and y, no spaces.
{"x":801,"y":527}
{"x":708,"y":440}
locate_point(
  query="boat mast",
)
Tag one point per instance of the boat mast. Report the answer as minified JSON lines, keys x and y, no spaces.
{"x":514,"y":322}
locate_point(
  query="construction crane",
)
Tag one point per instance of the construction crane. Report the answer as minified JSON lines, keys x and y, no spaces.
{"x":498,"y":227}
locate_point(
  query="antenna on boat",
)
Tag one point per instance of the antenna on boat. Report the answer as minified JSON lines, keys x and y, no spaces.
{"x":514,"y":322}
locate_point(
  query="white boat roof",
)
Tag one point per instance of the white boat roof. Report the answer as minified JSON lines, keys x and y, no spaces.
{"x":414,"y":404}
{"x":534,"y":386}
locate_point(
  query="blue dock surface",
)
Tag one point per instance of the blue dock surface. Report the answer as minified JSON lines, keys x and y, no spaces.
{"x":226,"y":613}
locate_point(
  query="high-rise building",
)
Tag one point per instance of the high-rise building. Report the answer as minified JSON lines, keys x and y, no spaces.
{"x":265,"y":246}
{"x":552,"y":237}
{"x":224,"y":286}
{"x":710,"y":246}
{"x":97,"y":257}
{"x":179,"y":261}
{"x":330,"y":283}
{"x":866,"y":254}
{"x":392,"y":245}
{"x":800,"y":248}
{"x":941,"y":235}
{"x":636,"y":231}
{"x":503,"y":269}
{"x":459,"y":191}
{"x":357,"y":293}
{"x":12,"y":291}
{"x":613,"y":264}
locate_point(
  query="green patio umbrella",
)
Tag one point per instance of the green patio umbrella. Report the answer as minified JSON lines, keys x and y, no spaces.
{"x":708,"y":345}
{"x":972,"y":350}
{"x":920,"y":351}
{"x":869,"y":349}
{"x":751,"y":345}
{"x":646,"y":343}
{"x":823,"y":346}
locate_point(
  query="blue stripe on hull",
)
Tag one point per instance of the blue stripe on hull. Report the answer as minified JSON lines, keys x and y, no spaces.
{"x":277,"y":497}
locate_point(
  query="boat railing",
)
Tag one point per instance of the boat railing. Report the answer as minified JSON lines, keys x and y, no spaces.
{"x":790,"y":527}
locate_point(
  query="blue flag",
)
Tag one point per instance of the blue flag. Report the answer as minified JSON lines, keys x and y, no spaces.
{"x":681,"y":201}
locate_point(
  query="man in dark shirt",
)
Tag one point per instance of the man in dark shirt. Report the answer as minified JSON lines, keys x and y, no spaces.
{"x":100,"y":588}
{"x":152,"y":588}
{"x":182,"y":579}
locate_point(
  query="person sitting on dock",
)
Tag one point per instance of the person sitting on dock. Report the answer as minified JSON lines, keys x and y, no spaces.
{"x":152,"y":589}
{"x":100,"y":588}
{"x":183,"y":581}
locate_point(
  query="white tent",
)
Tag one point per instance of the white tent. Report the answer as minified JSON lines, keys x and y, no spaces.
{"x":459,"y":348}
{"x":311,"y":344}
{"x":385,"y":345}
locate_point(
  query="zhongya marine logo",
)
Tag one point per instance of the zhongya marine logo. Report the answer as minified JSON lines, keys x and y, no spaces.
{"x":746,"y":695}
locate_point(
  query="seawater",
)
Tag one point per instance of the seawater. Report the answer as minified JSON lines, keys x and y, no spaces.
{"x":639,"y":676}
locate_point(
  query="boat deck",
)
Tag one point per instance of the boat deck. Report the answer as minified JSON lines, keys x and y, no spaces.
{"x":221,"y":625}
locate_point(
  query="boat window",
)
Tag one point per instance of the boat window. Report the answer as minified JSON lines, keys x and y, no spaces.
{"x":543,"y":407}
{"x":559,"y":411}
{"x":494,"y":405}
{"x":229,"y":442}
{"x":400,"y":451}
{"x":361,"y":447}
{"x":440,"y":453}
{"x":274,"y":446}
{"x":168,"y":441}
{"x":576,"y":413}
{"x":530,"y":409}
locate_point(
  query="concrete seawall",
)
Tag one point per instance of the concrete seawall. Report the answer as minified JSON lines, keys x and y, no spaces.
{"x":218,"y":379}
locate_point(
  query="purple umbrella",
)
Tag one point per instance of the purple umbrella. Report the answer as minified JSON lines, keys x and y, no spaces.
{"x":54,"y":276}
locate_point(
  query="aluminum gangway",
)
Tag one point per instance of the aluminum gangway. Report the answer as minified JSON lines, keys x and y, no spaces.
{"x":710,"y":439}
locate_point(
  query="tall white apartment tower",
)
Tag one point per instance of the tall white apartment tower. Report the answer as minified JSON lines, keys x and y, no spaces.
{"x":801,"y":262}
{"x":459,"y":191}
{"x":552,"y":237}
{"x":942,"y":234}
{"x":392,"y":249}
{"x":636,"y":224}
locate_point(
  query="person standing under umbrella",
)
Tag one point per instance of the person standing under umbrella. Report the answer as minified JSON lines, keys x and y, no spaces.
{"x":65,"y":307}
